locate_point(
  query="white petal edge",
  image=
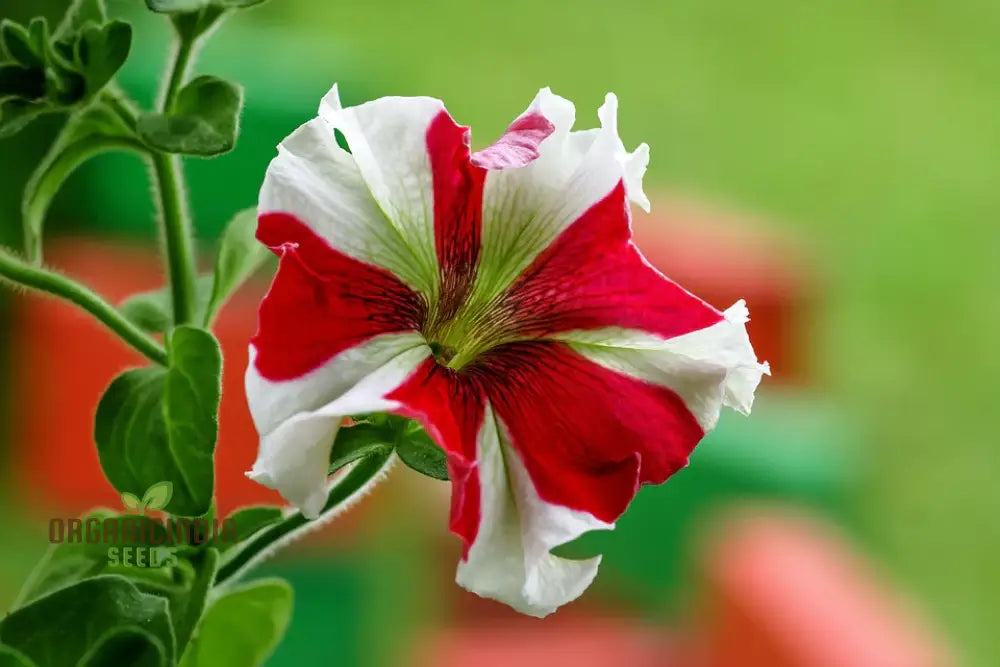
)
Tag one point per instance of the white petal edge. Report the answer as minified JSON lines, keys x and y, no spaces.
{"x":272,"y":402}
{"x":388,"y":142}
{"x":319,"y":183}
{"x":709,"y":368}
{"x":510,"y":559}
{"x":525,"y":209}
{"x":294,"y":456}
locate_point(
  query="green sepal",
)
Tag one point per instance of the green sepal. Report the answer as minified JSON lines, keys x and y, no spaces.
{"x":160,"y":424}
{"x":384,"y":433}
{"x":203,"y":121}
{"x":361,"y":440}
{"x":419,"y":451}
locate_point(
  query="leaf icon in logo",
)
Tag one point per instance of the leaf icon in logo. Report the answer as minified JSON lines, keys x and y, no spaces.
{"x":158,"y":495}
{"x":130,"y":502}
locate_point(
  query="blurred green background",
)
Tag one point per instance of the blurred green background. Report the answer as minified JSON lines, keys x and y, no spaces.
{"x":870,"y":129}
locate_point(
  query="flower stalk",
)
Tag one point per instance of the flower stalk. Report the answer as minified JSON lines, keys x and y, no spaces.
{"x":343,"y":495}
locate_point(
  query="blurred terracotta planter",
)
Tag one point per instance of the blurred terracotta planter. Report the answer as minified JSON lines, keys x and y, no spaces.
{"x":722,"y":257}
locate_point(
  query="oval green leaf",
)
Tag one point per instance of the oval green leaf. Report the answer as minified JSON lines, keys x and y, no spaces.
{"x":156,"y":424}
{"x":204,"y":119}
{"x":80,"y":621}
{"x":242,"y":627}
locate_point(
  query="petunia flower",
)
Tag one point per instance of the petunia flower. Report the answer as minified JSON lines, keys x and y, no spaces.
{"x":495,"y":297}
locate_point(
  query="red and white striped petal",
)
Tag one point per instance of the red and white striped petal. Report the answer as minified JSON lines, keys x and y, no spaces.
{"x":708,"y":368}
{"x":328,"y":324}
{"x":508,"y":530}
{"x":510,"y":558}
{"x":294,"y":455}
{"x":526,"y":209}
{"x":543,"y":445}
{"x":321,"y":185}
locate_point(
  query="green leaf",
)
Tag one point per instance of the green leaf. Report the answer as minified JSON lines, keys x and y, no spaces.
{"x":67,"y":562}
{"x":152,"y":311}
{"x":84,"y":619}
{"x":181,"y":6}
{"x":417,"y":450}
{"x":20,"y":46}
{"x":100,"y":52}
{"x":116,"y":647}
{"x":187,"y":592}
{"x":156,"y":424}
{"x":203,"y":121}
{"x":16,"y":114}
{"x":157,"y":496}
{"x":240,"y":254}
{"x":11,"y":657}
{"x":249,"y":521}
{"x":242,"y":627}
{"x":19,"y":81}
{"x":77,"y":14}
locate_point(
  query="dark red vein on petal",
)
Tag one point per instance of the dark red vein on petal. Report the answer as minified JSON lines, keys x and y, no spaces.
{"x":458,"y":205}
{"x":592,"y":276}
{"x":322,"y":302}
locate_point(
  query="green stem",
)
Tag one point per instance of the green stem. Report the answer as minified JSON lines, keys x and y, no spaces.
{"x":173,"y":204}
{"x":46,"y":182}
{"x":177,"y":235}
{"x":245,"y":556}
{"x":183,"y":59}
{"x":20,"y":272}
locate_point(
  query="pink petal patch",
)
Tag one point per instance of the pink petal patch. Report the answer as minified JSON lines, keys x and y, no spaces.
{"x":322,"y":302}
{"x":519,"y":144}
